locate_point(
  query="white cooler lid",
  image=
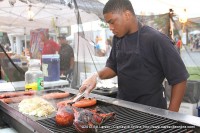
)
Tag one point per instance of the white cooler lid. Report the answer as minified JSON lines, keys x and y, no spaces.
{"x":51,"y":56}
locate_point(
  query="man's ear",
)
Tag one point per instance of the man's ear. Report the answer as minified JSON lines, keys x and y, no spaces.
{"x":127,"y":15}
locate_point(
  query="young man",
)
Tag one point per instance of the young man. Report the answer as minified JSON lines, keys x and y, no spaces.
{"x":179,"y":45}
{"x":142,"y":58}
{"x":66,"y":57}
{"x":50,"y":46}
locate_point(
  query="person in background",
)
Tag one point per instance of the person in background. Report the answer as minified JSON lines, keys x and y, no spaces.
{"x":66,"y":57}
{"x":50,"y":46}
{"x":196,"y":43}
{"x":100,"y":47}
{"x":179,"y":45}
{"x":142,"y":58}
{"x":191,"y":43}
{"x":108,"y":47}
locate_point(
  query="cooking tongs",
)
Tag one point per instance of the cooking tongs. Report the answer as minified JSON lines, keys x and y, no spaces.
{"x":78,"y":97}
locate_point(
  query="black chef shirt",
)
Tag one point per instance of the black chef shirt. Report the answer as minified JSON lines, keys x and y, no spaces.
{"x":141,"y":66}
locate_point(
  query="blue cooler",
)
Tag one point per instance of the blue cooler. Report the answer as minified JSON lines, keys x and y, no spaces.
{"x":51,"y":67}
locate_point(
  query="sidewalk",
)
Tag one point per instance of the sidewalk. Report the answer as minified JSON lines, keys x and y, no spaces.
{"x":190,"y":58}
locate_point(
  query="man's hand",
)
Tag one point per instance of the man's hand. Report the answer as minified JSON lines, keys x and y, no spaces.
{"x":89,"y":84}
{"x":69,"y":72}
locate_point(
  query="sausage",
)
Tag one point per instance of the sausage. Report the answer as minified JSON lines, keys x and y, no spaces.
{"x":80,"y":104}
{"x":85,"y":103}
{"x":56,"y":95}
{"x":17,"y":93}
{"x":14,"y":99}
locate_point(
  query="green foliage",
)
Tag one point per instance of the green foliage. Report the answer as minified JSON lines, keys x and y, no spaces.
{"x":176,"y":32}
{"x":160,"y":21}
{"x":103,"y":24}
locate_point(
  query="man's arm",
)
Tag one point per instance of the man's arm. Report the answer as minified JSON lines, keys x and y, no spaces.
{"x":56,"y":47}
{"x":106,"y":73}
{"x":177,"y":94}
{"x":90,"y":83}
{"x":71,"y":65}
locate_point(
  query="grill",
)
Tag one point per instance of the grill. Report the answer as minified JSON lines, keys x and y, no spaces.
{"x":127,"y":120}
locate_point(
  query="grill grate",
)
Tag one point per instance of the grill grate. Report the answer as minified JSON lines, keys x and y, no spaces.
{"x":128,"y":120}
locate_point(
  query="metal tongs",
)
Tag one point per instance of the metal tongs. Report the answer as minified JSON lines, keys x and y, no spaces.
{"x":78,"y":97}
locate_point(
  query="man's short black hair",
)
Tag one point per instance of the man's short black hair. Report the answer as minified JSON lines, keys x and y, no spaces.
{"x":118,"y":6}
{"x":62,"y":36}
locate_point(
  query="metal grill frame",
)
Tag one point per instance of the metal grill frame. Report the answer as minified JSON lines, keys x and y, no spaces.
{"x":128,"y":120}
{"x":31,"y":125}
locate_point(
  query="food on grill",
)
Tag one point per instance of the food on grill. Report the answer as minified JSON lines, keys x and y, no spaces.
{"x":80,"y":104}
{"x":36,"y":106}
{"x":85,"y":102}
{"x":15,"y":94}
{"x":56,"y":95}
{"x":14,"y":99}
{"x":84,"y":120}
{"x":87,"y":121}
{"x":65,"y":116}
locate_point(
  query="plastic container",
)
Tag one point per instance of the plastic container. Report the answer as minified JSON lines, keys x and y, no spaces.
{"x":34,"y":78}
{"x":51,"y":67}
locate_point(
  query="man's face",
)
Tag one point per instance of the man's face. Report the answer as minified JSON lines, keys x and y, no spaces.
{"x":117,"y":23}
{"x":60,"y":40}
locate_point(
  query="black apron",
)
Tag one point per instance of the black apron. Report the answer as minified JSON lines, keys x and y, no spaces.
{"x":135,"y":81}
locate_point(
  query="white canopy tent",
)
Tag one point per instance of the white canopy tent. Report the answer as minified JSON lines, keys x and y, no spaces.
{"x":14,"y":19}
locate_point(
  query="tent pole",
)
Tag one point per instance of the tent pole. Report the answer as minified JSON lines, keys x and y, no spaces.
{"x":25,"y":42}
{"x":171,"y":28}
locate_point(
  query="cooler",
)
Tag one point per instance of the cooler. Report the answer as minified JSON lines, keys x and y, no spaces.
{"x":51,"y":67}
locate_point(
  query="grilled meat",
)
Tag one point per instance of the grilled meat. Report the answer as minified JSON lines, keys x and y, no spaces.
{"x":56,"y":95}
{"x":65,"y":116}
{"x":87,"y":121}
{"x":80,"y":104}
{"x":16,"y":94}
